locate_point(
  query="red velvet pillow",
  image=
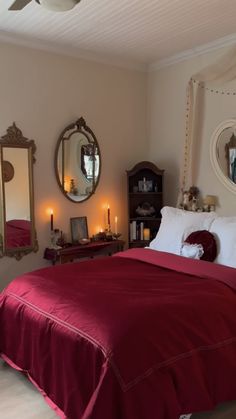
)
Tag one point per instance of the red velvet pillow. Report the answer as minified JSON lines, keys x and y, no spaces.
{"x":207,"y":240}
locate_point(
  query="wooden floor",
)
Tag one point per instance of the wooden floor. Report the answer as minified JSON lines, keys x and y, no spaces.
{"x":20,"y":400}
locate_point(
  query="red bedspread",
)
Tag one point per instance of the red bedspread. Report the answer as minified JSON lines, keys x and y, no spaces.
{"x":141,"y":335}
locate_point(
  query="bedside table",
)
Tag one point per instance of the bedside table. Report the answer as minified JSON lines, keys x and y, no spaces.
{"x":90,"y":250}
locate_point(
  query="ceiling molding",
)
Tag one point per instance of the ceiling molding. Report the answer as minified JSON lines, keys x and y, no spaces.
{"x":191,"y":53}
{"x":15,"y":39}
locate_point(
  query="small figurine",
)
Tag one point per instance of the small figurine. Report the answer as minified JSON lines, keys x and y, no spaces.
{"x":73,"y":189}
{"x":189,"y":202}
{"x":194,"y":192}
{"x":194,"y":204}
{"x":60,"y":241}
{"x":145,"y":185}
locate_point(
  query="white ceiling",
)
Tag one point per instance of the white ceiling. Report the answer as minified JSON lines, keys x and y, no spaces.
{"x":125,"y":32}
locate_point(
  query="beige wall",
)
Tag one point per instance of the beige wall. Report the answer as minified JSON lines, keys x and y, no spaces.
{"x":166,"y":121}
{"x":44,"y":92}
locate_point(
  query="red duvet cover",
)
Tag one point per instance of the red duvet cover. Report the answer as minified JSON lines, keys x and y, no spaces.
{"x":140,"y":335}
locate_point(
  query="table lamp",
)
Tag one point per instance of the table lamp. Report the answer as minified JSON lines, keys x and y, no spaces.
{"x":209,"y":203}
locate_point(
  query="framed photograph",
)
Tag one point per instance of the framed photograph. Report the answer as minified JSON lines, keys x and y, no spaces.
{"x":149,"y":185}
{"x":79,"y":229}
{"x":146,"y":186}
{"x":140,"y":186}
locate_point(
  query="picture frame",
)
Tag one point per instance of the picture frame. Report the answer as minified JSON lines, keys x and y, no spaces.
{"x":79,"y":229}
{"x":140,"y":186}
{"x":148,"y":187}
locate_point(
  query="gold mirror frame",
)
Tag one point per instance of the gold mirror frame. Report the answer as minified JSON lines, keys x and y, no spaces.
{"x":15,"y":139}
{"x":214,"y":155}
{"x":231,"y":145}
{"x":80,"y":127}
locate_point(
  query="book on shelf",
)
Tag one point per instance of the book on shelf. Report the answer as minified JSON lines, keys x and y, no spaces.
{"x":136,"y":231}
{"x":133,"y":230}
{"x":141,"y":230}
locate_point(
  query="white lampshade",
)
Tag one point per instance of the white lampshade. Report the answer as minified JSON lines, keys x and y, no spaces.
{"x":59,"y":5}
{"x":210,"y":200}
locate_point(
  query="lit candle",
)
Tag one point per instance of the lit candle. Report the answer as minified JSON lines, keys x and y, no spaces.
{"x":146,"y":234}
{"x":116,"y":220}
{"x":51,"y":219}
{"x":108,"y":216}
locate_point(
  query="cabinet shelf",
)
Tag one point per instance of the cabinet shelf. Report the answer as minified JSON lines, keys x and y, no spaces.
{"x":145,"y":193}
{"x":145,"y":219}
{"x":136,"y":224}
{"x":139,"y":243}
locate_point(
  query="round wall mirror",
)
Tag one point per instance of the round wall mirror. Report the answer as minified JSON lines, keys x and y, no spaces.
{"x":77,"y":161}
{"x":223,"y":153}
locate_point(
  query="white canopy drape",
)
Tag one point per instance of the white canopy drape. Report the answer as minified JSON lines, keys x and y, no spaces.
{"x":224,"y":70}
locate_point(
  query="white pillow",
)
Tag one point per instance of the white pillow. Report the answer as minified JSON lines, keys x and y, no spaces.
{"x":224,"y":230}
{"x":176,"y":225}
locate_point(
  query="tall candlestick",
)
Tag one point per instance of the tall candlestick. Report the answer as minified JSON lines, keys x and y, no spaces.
{"x":51,"y":219}
{"x":116,"y":221}
{"x":108,"y":216}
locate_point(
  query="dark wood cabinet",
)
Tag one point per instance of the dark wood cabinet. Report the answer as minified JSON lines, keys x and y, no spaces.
{"x":145,"y":200}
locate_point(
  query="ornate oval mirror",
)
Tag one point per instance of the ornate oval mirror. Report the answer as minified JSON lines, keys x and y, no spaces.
{"x":223,"y":153}
{"x":77,"y":161}
{"x":17,"y":230}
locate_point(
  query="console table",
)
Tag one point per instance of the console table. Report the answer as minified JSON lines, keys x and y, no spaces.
{"x":90,"y":250}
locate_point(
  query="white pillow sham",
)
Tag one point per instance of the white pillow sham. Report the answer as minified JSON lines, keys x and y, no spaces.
{"x":176,"y":225}
{"x":224,"y":230}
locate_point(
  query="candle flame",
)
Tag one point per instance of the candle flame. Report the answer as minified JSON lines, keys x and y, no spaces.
{"x":49,"y":211}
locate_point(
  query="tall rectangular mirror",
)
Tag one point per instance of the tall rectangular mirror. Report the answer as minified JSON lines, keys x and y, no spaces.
{"x":17,"y":230}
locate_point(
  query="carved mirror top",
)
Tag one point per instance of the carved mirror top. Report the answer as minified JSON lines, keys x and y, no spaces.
{"x":15,"y":138}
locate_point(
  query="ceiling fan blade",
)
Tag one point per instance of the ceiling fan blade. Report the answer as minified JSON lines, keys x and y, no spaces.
{"x":19,"y":4}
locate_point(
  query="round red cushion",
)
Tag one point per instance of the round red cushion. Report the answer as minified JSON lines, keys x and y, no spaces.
{"x":207,"y":240}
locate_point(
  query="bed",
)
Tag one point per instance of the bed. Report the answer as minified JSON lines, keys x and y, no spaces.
{"x":143,"y":334}
{"x":124,"y":336}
